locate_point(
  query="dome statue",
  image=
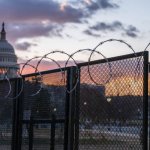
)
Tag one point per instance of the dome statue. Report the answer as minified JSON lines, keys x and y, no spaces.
{"x":8,"y":59}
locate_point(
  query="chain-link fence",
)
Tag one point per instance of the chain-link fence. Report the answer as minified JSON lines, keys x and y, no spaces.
{"x":98,"y":105}
{"x":149,"y":108}
{"x":6,"y":114}
{"x":43,"y":113}
{"x":112,"y":109}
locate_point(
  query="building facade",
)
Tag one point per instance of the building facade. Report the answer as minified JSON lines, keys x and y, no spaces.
{"x":8,"y":58}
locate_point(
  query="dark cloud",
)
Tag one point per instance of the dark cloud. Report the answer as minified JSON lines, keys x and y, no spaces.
{"x":31,"y":10}
{"x":132,"y":31}
{"x":102,"y":26}
{"x":26,"y":17}
{"x":24,"y":46}
{"x":34,"y":30}
{"x":115,"y":26}
{"x":101,"y":4}
{"x":89,"y":32}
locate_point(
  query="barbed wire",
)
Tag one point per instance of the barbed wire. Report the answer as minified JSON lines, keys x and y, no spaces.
{"x":37,"y":71}
{"x":39,"y":77}
{"x":115,"y":40}
{"x":64,"y":72}
{"x":122,"y":42}
{"x":138,"y":63}
{"x":90,"y":50}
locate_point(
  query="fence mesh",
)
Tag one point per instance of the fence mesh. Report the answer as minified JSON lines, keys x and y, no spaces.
{"x":39,"y":110}
{"x":6,"y":113}
{"x":111,"y":109}
{"x":149,"y":109}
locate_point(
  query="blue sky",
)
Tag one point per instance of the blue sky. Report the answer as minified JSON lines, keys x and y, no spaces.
{"x":38,"y":27}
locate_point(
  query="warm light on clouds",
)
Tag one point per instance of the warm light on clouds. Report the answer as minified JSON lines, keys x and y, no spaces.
{"x":73,"y":24}
{"x":124,"y":86}
{"x":88,"y":1}
{"x":63,"y":5}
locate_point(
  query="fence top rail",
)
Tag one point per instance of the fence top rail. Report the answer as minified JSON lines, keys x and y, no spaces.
{"x":111,"y":59}
{"x":46,"y":72}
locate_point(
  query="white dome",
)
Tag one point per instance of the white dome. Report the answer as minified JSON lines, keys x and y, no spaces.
{"x":6,"y":47}
{"x":7,"y":54}
{"x":8,"y":59}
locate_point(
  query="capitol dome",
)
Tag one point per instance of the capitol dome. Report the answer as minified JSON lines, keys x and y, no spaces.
{"x":8,"y":59}
{"x":7,"y":46}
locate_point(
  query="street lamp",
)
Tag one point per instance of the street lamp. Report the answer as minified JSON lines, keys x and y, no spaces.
{"x":54,"y":109}
{"x":109,"y":99}
{"x":85,"y":103}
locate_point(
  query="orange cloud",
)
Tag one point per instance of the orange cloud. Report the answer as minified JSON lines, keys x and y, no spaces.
{"x":63,"y":5}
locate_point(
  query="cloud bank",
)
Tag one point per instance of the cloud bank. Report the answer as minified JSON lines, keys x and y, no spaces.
{"x":115,"y":26}
{"x":48,"y":18}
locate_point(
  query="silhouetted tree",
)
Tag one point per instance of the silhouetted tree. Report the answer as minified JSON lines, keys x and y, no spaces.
{"x":41,"y":107}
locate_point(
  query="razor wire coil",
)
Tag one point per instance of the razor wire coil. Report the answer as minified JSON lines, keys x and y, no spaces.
{"x":63,"y":71}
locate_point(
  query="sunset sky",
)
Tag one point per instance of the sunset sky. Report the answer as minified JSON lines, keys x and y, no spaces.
{"x":36,"y":27}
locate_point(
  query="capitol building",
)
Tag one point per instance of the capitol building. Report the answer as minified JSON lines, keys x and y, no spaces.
{"x":8,"y":59}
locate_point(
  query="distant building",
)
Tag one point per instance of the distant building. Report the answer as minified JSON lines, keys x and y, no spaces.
{"x":8,"y":59}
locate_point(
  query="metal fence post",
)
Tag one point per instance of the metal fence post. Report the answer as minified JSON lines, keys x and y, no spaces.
{"x":145,"y":102}
{"x":17,"y":117}
{"x":66,"y":112}
{"x":70,"y":110}
{"x":14,"y":140}
{"x":77,"y":112}
{"x":31,"y":134}
{"x":52,"y":147}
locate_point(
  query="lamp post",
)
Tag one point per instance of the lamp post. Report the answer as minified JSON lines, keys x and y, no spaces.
{"x":109,"y":99}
